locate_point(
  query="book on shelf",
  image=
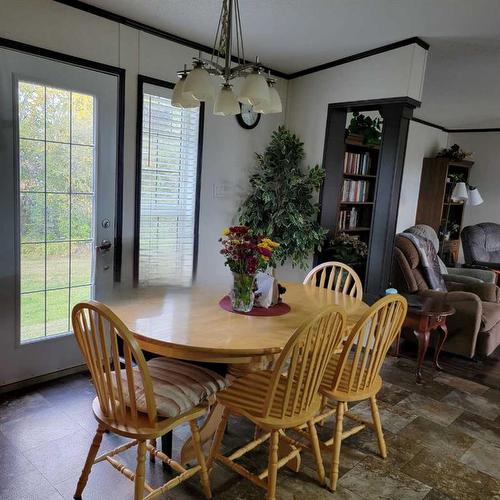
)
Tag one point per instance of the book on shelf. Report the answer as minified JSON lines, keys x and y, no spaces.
{"x":348,"y":219}
{"x":355,"y":190}
{"x":357,"y":163}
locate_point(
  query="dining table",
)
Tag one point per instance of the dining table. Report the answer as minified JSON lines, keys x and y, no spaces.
{"x":187,"y":323}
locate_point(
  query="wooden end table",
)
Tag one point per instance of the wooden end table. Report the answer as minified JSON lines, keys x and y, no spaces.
{"x":423,"y":320}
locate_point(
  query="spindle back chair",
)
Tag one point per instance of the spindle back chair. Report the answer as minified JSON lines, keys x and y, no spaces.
{"x":284,"y":397}
{"x":118,"y":409}
{"x":336,"y":276}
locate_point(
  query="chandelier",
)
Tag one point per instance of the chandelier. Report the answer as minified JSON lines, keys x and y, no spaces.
{"x":195,"y":85}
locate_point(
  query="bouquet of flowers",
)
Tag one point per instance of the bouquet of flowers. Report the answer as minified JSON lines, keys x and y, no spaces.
{"x":246,"y":253}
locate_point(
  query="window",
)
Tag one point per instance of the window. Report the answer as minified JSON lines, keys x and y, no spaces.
{"x":56,"y":199}
{"x":168,"y":190}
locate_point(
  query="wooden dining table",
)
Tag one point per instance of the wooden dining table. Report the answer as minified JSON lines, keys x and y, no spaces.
{"x":187,"y":323}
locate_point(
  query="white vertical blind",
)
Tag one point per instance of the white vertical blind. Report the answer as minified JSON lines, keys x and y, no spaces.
{"x":168,"y":190}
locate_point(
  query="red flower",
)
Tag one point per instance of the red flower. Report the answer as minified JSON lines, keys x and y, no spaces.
{"x":251,"y":264}
{"x":264,"y":251}
{"x":239,"y":229}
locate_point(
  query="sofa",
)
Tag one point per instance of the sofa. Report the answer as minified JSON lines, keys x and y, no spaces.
{"x":481,"y":244}
{"x":474,"y":329}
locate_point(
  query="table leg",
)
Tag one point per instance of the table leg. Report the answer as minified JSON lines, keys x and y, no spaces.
{"x":423,"y":343}
{"x":444,"y":336}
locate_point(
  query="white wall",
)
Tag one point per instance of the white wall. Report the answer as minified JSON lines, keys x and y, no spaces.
{"x":228,"y":150}
{"x":396,"y":73}
{"x":485,"y":174}
{"x":423,"y":141}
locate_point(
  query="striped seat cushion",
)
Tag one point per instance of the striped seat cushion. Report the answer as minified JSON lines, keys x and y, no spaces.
{"x":178,"y":386}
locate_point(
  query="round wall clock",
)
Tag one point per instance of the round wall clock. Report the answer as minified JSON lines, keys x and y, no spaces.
{"x":248,"y":118}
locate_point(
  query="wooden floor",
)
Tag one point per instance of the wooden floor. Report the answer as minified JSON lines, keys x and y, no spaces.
{"x":443,"y":440}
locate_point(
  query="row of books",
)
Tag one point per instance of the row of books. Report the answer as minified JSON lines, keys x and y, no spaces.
{"x":357,"y":163}
{"x":348,"y":219}
{"x":355,"y":190}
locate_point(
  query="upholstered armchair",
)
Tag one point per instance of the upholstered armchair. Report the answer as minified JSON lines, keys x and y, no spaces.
{"x":481,"y":244}
{"x":474,"y":330}
{"x":452,"y":274}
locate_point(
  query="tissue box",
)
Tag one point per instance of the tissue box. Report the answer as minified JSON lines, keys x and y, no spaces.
{"x":267,"y":294}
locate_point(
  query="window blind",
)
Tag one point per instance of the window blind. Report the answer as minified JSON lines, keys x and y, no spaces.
{"x":168,"y":190}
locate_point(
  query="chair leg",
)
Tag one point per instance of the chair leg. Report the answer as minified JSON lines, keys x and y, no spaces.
{"x":337,"y":442}
{"x":313,"y":436}
{"x":139,"y":471}
{"x":152,"y":442}
{"x":378,"y":427}
{"x":214,"y":449}
{"x":205,"y":483}
{"x":89,"y":462}
{"x":273,"y":465}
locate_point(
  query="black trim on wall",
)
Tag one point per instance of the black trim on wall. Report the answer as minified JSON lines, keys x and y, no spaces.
{"x":142,"y":79}
{"x":456,"y":130}
{"x":375,"y":104}
{"x":126,"y":21}
{"x":106,"y":14}
{"x":429,"y":124}
{"x":362,"y":55}
{"x":103,"y":68}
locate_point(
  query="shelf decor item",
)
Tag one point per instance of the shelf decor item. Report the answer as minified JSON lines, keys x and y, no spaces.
{"x":281,"y":201}
{"x":348,"y":249}
{"x":246,"y":253}
{"x":369,"y":128}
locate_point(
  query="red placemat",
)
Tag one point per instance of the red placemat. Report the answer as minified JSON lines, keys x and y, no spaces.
{"x":277,"y":310}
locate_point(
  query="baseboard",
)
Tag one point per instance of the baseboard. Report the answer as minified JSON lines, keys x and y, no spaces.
{"x":22,"y":384}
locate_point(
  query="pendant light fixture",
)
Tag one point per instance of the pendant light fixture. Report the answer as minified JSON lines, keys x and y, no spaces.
{"x":196,"y":85}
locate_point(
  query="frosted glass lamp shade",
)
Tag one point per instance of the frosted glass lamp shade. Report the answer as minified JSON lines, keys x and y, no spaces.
{"x":255,"y":90}
{"x":226,"y":103}
{"x":180,"y":99}
{"x":199,"y":84}
{"x":271,"y":106}
{"x":459,"y":192}
{"x":475,"y":197}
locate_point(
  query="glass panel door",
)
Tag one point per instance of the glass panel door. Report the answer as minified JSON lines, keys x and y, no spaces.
{"x":58,"y":157}
{"x":56,"y":188}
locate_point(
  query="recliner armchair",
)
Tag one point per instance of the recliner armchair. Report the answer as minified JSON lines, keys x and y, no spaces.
{"x":481,"y":244}
{"x":474,"y":330}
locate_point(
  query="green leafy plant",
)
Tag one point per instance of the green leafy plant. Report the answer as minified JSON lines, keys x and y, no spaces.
{"x":369,"y":128}
{"x":454,"y":152}
{"x":347,"y":249}
{"x":280,"y":203}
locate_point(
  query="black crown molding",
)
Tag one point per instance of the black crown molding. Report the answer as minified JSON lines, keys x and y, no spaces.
{"x":361,"y":55}
{"x":455,"y":130}
{"x":91,"y":9}
{"x":375,"y":104}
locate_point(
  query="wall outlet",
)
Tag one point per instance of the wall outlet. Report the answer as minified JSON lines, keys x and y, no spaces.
{"x":222,"y":190}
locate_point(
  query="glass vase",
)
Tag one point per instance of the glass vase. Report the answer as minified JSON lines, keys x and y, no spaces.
{"x":242,"y":296}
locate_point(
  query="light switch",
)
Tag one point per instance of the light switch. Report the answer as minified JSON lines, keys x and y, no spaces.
{"x":222,"y":190}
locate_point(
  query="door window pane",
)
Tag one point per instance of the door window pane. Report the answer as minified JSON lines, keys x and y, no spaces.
{"x":56,"y":226}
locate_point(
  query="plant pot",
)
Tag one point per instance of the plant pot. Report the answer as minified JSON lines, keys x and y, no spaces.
{"x":242,"y":296}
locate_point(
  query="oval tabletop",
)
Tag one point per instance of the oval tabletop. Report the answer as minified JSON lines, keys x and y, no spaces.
{"x":188,"y":323}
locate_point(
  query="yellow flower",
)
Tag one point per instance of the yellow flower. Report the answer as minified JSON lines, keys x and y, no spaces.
{"x":270,"y":243}
{"x":225,"y":232}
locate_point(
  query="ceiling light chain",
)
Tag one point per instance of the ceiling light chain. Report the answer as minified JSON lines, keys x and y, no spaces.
{"x":196,"y":85}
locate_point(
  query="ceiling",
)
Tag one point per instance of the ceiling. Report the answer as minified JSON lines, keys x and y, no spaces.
{"x":462,"y":87}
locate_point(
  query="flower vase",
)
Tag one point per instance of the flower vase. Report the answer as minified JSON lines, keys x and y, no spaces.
{"x":242,"y":296}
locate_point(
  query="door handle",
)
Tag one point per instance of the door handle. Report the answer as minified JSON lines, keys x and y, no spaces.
{"x":104,"y":246}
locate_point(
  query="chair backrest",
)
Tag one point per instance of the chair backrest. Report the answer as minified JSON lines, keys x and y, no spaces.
{"x":97,"y":330}
{"x":365,"y":349}
{"x":407,"y":273}
{"x":336,"y":276}
{"x":305,"y":358}
{"x":481,"y":243}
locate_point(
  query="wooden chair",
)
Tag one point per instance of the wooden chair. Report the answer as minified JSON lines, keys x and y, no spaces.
{"x":353,"y":375}
{"x":341,"y":278}
{"x":284,"y":397}
{"x":129,"y":403}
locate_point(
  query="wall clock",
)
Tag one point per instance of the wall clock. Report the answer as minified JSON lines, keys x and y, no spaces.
{"x":248,"y":118}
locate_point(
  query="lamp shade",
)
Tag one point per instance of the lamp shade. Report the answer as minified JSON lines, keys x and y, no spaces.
{"x":180,"y":99}
{"x":459,"y":192}
{"x":254,"y":90}
{"x":271,"y":106}
{"x":199,"y":84}
{"x":475,"y":197}
{"x":226,"y":103}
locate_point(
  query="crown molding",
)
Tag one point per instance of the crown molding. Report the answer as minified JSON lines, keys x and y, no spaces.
{"x":456,"y":130}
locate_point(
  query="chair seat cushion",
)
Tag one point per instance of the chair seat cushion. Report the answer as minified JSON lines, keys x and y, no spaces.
{"x":177,"y":386}
{"x":490,"y":316}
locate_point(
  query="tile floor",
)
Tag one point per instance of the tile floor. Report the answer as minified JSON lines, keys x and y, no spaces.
{"x":443,"y":440}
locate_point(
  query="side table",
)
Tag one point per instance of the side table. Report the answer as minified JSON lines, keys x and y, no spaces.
{"x":423,"y":320}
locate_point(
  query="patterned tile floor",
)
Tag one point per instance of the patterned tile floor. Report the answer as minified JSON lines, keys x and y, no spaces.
{"x":443,"y":440}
